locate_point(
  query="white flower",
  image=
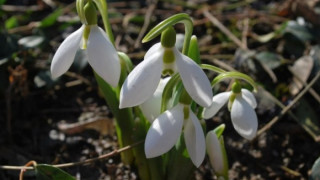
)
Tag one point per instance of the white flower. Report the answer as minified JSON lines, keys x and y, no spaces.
{"x":243,"y":116}
{"x":144,"y":79}
{"x":215,"y":152}
{"x":102,"y":55}
{"x":152,"y":106}
{"x":166,"y":129}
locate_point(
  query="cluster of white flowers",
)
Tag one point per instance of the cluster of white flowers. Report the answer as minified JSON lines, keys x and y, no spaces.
{"x":144,"y":87}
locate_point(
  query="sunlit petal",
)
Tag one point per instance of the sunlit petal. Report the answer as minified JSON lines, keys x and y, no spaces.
{"x":103,"y":57}
{"x":151,"y":107}
{"x":214,"y":151}
{"x":194,"y":138}
{"x":142,"y":81}
{"x":65,"y":54}
{"x":217,"y":102}
{"x":194,"y":79}
{"x":244,"y":118}
{"x":164,"y":132}
{"x":249,"y":97}
{"x":154,"y":49}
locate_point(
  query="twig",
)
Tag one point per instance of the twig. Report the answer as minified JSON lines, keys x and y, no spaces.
{"x":33,"y":163}
{"x":85,"y":162}
{"x":287,"y":108}
{"x":36,"y":24}
{"x":222,"y":28}
{"x":245,"y":31}
{"x":12,"y":8}
{"x":146,"y":23}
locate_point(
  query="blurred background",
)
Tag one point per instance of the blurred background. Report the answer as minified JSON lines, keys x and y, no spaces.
{"x":54,"y":121}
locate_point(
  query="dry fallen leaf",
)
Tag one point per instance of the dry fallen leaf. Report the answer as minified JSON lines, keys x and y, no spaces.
{"x":104,"y":125}
{"x":301,"y":71}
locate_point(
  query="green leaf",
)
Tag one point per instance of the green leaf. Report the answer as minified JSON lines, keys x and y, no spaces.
{"x":194,"y":52}
{"x":11,"y":22}
{"x":315,"y":171}
{"x":270,"y":59}
{"x":48,"y":172}
{"x":51,"y":19}
{"x":2,"y":1}
{"x":219,"y":130}
{"x":299,"y":31}
{"x":267,"y":37}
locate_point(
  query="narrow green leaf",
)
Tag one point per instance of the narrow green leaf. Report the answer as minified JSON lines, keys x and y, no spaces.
{"x":11,"y":22}
{"x":2,"y":1}
{"x":219,"y":130}
{"x":194,"y":52}
{"x":48,"y":172}
{"x":51,"y":19}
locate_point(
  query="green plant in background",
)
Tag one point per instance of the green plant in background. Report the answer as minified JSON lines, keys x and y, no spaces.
{"x":148,"y":105}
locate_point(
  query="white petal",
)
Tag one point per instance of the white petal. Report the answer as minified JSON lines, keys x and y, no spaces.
{"x":194,"y":138}
{"x":217,"y":102}
{"x":164,"y":132}
{"x":142,"y":81}
{"x":103,"y":57}
{"x":194,"y":79}
{"x":65,"y":54}
{"x":214,"y":151}
{"x":244,"y":118}
{"x":151,"y":108}
{"x":154,"y":49}
{"x":249,"y":97}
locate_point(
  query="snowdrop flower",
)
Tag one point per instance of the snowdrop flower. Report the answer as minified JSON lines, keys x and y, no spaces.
{"x":152,"y":106}
{"x":166,"y":129}
{"x":102,"y":55}
{"x":215,"y":152}
{"x":164,"y":58}
{"x":241,"y":104}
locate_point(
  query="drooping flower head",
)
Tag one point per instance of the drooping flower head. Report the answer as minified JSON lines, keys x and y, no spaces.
{"x":216,"y":152}
{"x":241,"y":105}
{"x":166,"y":129}
{"x":165,"y":59}
{"x":102,"y":56}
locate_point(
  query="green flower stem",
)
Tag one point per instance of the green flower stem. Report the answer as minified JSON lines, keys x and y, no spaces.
{"x":103,"y":9}
{"x":236,"y":75}
{"x":80,"y":10}
{"x":124,"y":118}
{"x":212,"y":68}
{"x":180,"y":165}
{"x":178,"y":18}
